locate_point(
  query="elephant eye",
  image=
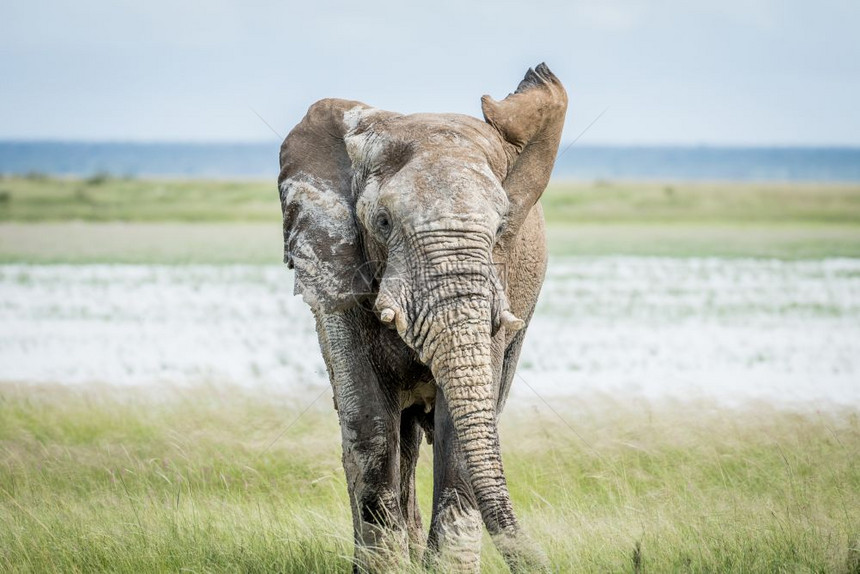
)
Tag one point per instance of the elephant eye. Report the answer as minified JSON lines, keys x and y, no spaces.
{"x":383,"y":224}
{"x":500,"y":230}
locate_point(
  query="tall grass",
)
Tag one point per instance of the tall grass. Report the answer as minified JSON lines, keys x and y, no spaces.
{"x":222,"y":479}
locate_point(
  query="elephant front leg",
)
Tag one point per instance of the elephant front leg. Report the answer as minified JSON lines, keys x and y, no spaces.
{"x":370,"y":430}
{"x":372,"y":466}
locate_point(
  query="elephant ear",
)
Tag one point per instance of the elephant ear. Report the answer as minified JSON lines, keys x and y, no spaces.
{"x":321,"y":239}
{"x":530,"y":121}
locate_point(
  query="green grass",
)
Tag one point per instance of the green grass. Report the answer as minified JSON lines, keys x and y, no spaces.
{"x":103,"y":198}
{"x":107,"y":220}
{"x":721,"y":203}
{"x":215,"y":479}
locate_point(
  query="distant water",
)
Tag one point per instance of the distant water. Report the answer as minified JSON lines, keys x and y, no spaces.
{"x":260,"y":160}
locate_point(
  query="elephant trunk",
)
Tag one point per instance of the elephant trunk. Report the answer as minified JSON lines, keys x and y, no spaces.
{"x":462,"y":367}
{"x":457,"y":304}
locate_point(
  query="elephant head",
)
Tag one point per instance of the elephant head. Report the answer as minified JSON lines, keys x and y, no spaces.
{"x":410,"y":215}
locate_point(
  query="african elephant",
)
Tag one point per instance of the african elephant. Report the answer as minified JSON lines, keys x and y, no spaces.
{"x":418,"y":242}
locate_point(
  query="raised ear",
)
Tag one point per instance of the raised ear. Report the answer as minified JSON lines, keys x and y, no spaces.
{"x":321,"y":239}
{"x":530,"y":121}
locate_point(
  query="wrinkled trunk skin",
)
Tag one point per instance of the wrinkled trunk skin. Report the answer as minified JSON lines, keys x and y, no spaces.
{"x":463,"y":371}
{"x":452,"y":334}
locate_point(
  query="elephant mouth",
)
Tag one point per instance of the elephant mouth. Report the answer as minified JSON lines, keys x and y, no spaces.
{"x":423,"y":394}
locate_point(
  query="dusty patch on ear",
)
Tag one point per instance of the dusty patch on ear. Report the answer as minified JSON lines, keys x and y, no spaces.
{"x":353,"y":116}
{"x":370,"y":148}
{"x":364,"y":147}
{"x":320,"y":240}
{"x":361,"y":141}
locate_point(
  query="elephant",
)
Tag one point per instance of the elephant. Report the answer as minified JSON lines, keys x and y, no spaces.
{"x":418,"y":242}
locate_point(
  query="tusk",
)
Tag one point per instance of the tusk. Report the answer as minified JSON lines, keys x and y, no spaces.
{"x":387,"y":315}
{"x":400,"y":323}
{"x":510,"y":321}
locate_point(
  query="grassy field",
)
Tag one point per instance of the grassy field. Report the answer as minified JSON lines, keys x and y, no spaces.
{"x":224,"y":479}
{"x":148,"y":221}
{"x":102,"y":198}
{"x":218,"y":479}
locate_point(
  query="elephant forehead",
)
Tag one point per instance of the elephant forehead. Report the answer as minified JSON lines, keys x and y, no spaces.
{"x":452,"y":136}
{"x":468,"y":182}
{"x":372,"y":133}
{"x":427,"y":166}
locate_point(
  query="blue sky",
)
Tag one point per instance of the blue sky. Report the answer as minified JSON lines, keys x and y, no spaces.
{"x":756,"y":72}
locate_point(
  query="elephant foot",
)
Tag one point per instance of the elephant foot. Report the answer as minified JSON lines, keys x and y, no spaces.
{"x":521,"y":554}
{"x":382,"y":541}
{"x":456,"y":544}
{"x":382,"y":551}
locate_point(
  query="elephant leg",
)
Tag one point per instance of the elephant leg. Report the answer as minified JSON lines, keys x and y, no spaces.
{"x":456,"y":527}
{"x":372,"y":464}
{"x":411,"y":434}
{"x":370,"y":431}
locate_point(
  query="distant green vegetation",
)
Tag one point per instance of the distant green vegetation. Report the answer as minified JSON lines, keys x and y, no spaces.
{"x":703,"y":203}
{"x":105,"y":219}
{"x":103,"y":198}
{"x":216,"y":480}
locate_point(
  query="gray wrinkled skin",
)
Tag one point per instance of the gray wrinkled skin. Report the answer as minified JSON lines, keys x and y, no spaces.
{"x":418,"y":242}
